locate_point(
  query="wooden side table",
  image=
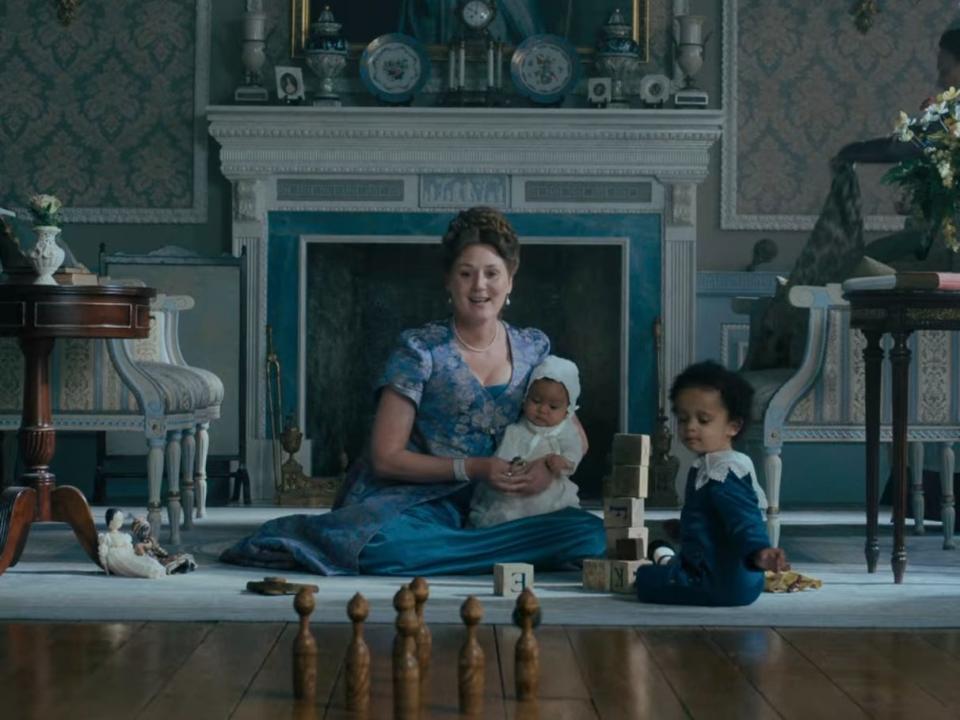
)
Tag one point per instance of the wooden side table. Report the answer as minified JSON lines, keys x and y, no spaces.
{"x":37,"y":315}
{"x":898,"y":312}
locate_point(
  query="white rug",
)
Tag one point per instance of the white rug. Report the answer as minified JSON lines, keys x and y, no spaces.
{"x":55,"y":581}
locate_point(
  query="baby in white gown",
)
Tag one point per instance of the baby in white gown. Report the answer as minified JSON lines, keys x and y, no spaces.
{"x":545,"y":430}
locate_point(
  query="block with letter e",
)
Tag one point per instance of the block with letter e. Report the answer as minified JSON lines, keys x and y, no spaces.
{"x":511,"y":579}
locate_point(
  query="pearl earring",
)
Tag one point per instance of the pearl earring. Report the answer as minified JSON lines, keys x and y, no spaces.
{"x":507,"y":303}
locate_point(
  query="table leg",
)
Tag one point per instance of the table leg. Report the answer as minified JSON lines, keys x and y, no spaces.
{"x":18,"y":505}
{"x":873,"y":358}
{"x":41,"y":500}
{"x":900,"y":364}
{"x":70,"y":506}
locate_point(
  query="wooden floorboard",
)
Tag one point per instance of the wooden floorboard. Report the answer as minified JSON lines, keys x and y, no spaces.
{"x":871,"y":678}
{"x":245,"y":670}
{"x":621,"y":676}
{"x":270,"y":694}
{"x":215,"y":677}
{"x":793,"y":685}
{"x":705,"y":680}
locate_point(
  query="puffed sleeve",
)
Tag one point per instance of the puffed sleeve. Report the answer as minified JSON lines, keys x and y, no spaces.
{"x":408,"y":367}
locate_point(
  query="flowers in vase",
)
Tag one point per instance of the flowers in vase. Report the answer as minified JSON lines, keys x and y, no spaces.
{"x":930,"y":179}
{"x":45,"y":210}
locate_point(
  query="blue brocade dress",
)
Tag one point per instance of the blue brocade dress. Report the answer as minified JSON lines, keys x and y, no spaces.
{"x":382,"y":527}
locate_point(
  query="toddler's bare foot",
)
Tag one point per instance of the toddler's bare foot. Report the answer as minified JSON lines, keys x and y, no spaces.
{"x":773,"y":559}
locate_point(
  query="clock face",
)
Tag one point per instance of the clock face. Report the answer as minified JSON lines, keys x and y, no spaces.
{"x":477,"y":14}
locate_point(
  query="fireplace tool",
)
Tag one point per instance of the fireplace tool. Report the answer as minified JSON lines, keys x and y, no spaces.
{"x":663,"y":465}
{"x":274,"y":407}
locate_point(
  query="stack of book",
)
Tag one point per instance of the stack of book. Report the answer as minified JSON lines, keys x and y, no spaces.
{"x":624,"y":493}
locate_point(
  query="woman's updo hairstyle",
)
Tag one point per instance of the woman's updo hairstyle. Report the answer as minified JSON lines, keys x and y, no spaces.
{"x":484,"y":225}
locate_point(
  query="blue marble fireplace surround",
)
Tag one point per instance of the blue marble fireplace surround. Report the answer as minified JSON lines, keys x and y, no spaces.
{"x":332,"y":340}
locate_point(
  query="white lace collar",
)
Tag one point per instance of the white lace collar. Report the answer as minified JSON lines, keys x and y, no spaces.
{"x":716,"y":465}
{"x":546,"y":431}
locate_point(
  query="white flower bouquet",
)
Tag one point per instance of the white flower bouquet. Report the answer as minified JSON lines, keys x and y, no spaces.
{"x":45,"y":210}
{"x":930,"y":178}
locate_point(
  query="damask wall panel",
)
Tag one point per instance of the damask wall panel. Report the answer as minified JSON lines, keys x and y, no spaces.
{"x":108,"y":112}
{"x":800,"y":82}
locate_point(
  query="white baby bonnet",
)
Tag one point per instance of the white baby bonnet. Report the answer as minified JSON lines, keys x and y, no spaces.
{"x":562,"y":371}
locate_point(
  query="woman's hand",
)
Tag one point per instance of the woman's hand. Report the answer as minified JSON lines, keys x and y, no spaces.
{"x":532,"y":479}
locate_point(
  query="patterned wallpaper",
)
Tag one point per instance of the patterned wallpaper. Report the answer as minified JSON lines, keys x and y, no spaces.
{"x":107,"y":113}
{"x":799,"y":83}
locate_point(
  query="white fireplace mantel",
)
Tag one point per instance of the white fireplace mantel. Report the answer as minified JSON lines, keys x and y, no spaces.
{"x":407,"y":147}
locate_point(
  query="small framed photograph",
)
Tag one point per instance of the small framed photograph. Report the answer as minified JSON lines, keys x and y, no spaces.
{"x":289,"y":84}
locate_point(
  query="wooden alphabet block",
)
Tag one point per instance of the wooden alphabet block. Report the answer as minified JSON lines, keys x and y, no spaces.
{"x":631,"y":449}
{"x":623,"y":512}
{"x":511,"y":579}
{"x":631,"y":549}
{"x":625,"y":533}
{"x":596,"y":574}
{"x":627,"y":481}
{"x":623,"y":573}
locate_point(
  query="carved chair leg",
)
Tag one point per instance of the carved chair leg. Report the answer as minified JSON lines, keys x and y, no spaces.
{"x":154,"y":481}
{"x":916,"y":486}
{"x":188,"y":457}
{"x":203,"y":445}
{"x":947,"y":512}
{"x":173,"y":484}
{"x":773,"y":472}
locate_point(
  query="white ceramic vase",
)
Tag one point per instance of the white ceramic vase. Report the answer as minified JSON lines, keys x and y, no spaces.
{"x":46,"y":255}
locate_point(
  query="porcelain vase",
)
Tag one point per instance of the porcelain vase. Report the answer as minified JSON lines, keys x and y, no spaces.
{"x":46,"y":256}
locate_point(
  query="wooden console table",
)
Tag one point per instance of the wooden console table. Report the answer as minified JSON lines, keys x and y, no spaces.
{"x":37,"y":315}
{"x":898,"y":312}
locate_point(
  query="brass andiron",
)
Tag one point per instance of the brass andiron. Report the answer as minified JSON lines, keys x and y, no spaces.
{"x":663,"y":465}
{"x":291,"y":472}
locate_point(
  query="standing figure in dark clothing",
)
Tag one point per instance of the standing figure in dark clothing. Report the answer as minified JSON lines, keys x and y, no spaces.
{"x":724,"y":546}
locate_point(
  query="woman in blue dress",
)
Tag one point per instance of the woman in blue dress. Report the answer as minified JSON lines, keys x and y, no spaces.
{"x":448,"y":392}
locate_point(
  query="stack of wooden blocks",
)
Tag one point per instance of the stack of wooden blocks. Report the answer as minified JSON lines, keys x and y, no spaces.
{"x":624,"y":492}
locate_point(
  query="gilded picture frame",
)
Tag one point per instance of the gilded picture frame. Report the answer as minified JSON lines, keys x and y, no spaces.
{"x":577,"y":20}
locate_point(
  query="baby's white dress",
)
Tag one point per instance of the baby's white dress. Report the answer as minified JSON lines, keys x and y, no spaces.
{"x":528,"y":441}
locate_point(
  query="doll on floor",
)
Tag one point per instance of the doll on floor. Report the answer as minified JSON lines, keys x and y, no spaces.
{"x":146,"y":545}
{"x":138,"y":555}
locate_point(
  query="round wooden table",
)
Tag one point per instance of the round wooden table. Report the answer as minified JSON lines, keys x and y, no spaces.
{"x":37,"y":315}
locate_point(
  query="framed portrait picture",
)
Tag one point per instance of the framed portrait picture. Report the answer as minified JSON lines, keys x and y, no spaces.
{"x":436,"y":22}
{"x":289,"y":83}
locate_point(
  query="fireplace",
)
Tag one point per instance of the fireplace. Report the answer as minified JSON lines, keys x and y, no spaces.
{"x":604,"y":201}
{"x":356,"y":293}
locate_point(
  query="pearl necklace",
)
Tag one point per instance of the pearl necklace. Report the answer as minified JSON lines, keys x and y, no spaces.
{"x":473,"y":348}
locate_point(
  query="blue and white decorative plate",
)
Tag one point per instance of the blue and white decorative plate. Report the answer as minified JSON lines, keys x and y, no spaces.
{"x":544,"y":68}
{"x":394,"y":67}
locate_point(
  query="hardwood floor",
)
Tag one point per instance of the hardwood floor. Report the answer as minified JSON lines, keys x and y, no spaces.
{"x":178,"y":671}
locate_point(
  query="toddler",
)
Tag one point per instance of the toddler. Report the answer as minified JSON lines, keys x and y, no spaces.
{"x":545,"y":430}
{"x":723,"y":547}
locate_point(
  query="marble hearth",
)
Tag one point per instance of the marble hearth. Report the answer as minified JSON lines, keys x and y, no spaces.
{"x":305,"y":174}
